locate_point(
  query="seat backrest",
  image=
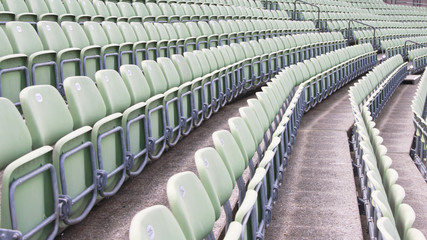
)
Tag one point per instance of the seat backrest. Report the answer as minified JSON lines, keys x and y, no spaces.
{"x":101,"y":8}
{"x":414,"y":234}
{"x":150,"y":224}
{"x":23,"y":38}
{"x":46,"y":114}
{"x":75,"y":34}
{"x":113,"y":90}
{"x":234,"y":159}
{"x":15,"y":140}
{"x":140,"y":9}
{"x":380,"y":201}
{"x":257,"y":107}
{"x":202,"y":60}
{"x":154,"y":9}
{"x":126,"y":9}
{"x":113,"y":32}
{"x":215,"y":177}
{"x":404,"y":219}
{"x":56,"y":6}
{"x":113,"y":9}
{"x":387,"y":228}
{"x":193,"y":29}
{"x":88,"y":7}
{"x":166,"y":9}
{"x":37,"y":6}
{"x":186,"y":68}
{"x":155,"y":78}
{"x":182,"y":30}
{"x":52,"y":36}
{"x":73,"y":7}
{"x":205,"y":28}
{"x":6,"y":48}
{"x":169,"y":71}
{"x":127,"y":32}
{"x":252,"y":122}
{"x":136,"y":84}
{"x":395,"y":196}
{"x":243,"y":136}
{"x":191,"y":205}
{"x":15,"y":6}
{"x":84,"y":101}
{"x":140,"y":31}
{"x":95,"y":34}
{"x":152,"y":32}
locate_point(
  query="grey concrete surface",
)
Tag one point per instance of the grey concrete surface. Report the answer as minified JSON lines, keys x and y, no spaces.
{"x":396,"y":128}
{"x":318,"y":197}
{"x":111,"y":218}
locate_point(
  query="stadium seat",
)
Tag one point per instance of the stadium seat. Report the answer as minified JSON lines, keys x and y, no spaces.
{"x":40,"y":8}
{"x":57,"y":7}
{"x":73,"y":7}
{"x":20,"y":9}
{"x":41,"y":63}
{"x":150,"y":222}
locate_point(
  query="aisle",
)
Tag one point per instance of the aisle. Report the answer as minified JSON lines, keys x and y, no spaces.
{"x":318,"y":197}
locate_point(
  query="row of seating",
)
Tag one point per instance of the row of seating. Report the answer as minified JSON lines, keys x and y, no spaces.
{"x":387,"y":216}
{"x":418,"y":58}
{"x":84,"y":10}
{"x":397,"y":46}
{"x":363,"y":36}
{"x":418,"y":107}
{"x":247,"y":3}
{"x":261,"y":140}
{"x":58,"y":52}
{"x":107,"y":133}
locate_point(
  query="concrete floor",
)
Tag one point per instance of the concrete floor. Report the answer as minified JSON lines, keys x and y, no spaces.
{"x":396,"y":128}
{"x":318,"y":197}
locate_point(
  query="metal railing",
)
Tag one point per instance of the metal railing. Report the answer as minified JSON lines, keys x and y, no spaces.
{"x":313,"y":5}
{"x":374,"y":42}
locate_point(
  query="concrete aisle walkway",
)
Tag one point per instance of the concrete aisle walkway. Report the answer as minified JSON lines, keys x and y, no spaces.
{"x":318,"y":197}
{"x":396,"y":127}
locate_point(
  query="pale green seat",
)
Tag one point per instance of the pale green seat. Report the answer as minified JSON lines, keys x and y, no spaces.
{"x":142,"y":10}
{"x":88,"y":8}
{"x":216,"y":180}
{"x":102,"y":10}
{"x":156,"y":222}
{"x":191,"y":205}
{"x":252,"y":123}
{"x":110,"y":52}
{"x":190,"y":42}
{"x":39,"y":104}
{"x":90,"y":55}
{"x":169,"y":86}
{"x":67,"y":58}
{"x":244,"y":139}
{"x":414,"y":234}
{"x":395,"y":196}
{"x":167,"y":10}
{"x":135,"y":33}
{"x":114,"y":35}
{"x":31,"y":175}
{"x":73,"y":7}
{"x":380,"y":201}
{"x":128,"y":12}
{"x":234,"y":159}
{"x":155,"y":11}
{"x":57,"y":7}
{"x":405,"y":217}
{"x":13,"y":70}
{"x":40,"y":8}
{"x":24,"y":39}
{"x":246,"y":214}
{"x":178,"y":74}
{"x":114,"y":11}
{"x":20,"y":9}
{"x":16,"y":139}
{"x":155,"y":112}
{"x":162,"y":47}
{"x":207,"y":31}
{"x":387,"y":229}
{"x":201,"y":39}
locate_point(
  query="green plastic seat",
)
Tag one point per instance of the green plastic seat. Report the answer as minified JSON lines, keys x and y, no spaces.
{"x":191,"y":205}
{"x":387,"y":229}
{"x":73,"y":150}
{"x":395,"y":196}
{"x":73,"y":7}
{"x":142,"y":10}
{"x":40,"y":8}
{"x":114,"y":11}
{"x":243,"y":136}
{"x":216,"y":180}
{"x":414,"y":234}
{"x":14,"y":72}
{"x":150,"y":224}
{"x":114,"y":35}
{"x":57,"y":7}
{"x":67,"y":58}
{"x":110,"y":52}
{"x":252,"y":123}
{"x":405,"y":217}
{"x":102,"y":10}
{"x":31,"y":174}
{"x":16,"y":140}
{"x":21,"y":11}
{"x":128,"y":12}
{"x":90,"y":55}
{"x":41,"y":63}
{"x":88,"y":8}
{"x":380,"y":201}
